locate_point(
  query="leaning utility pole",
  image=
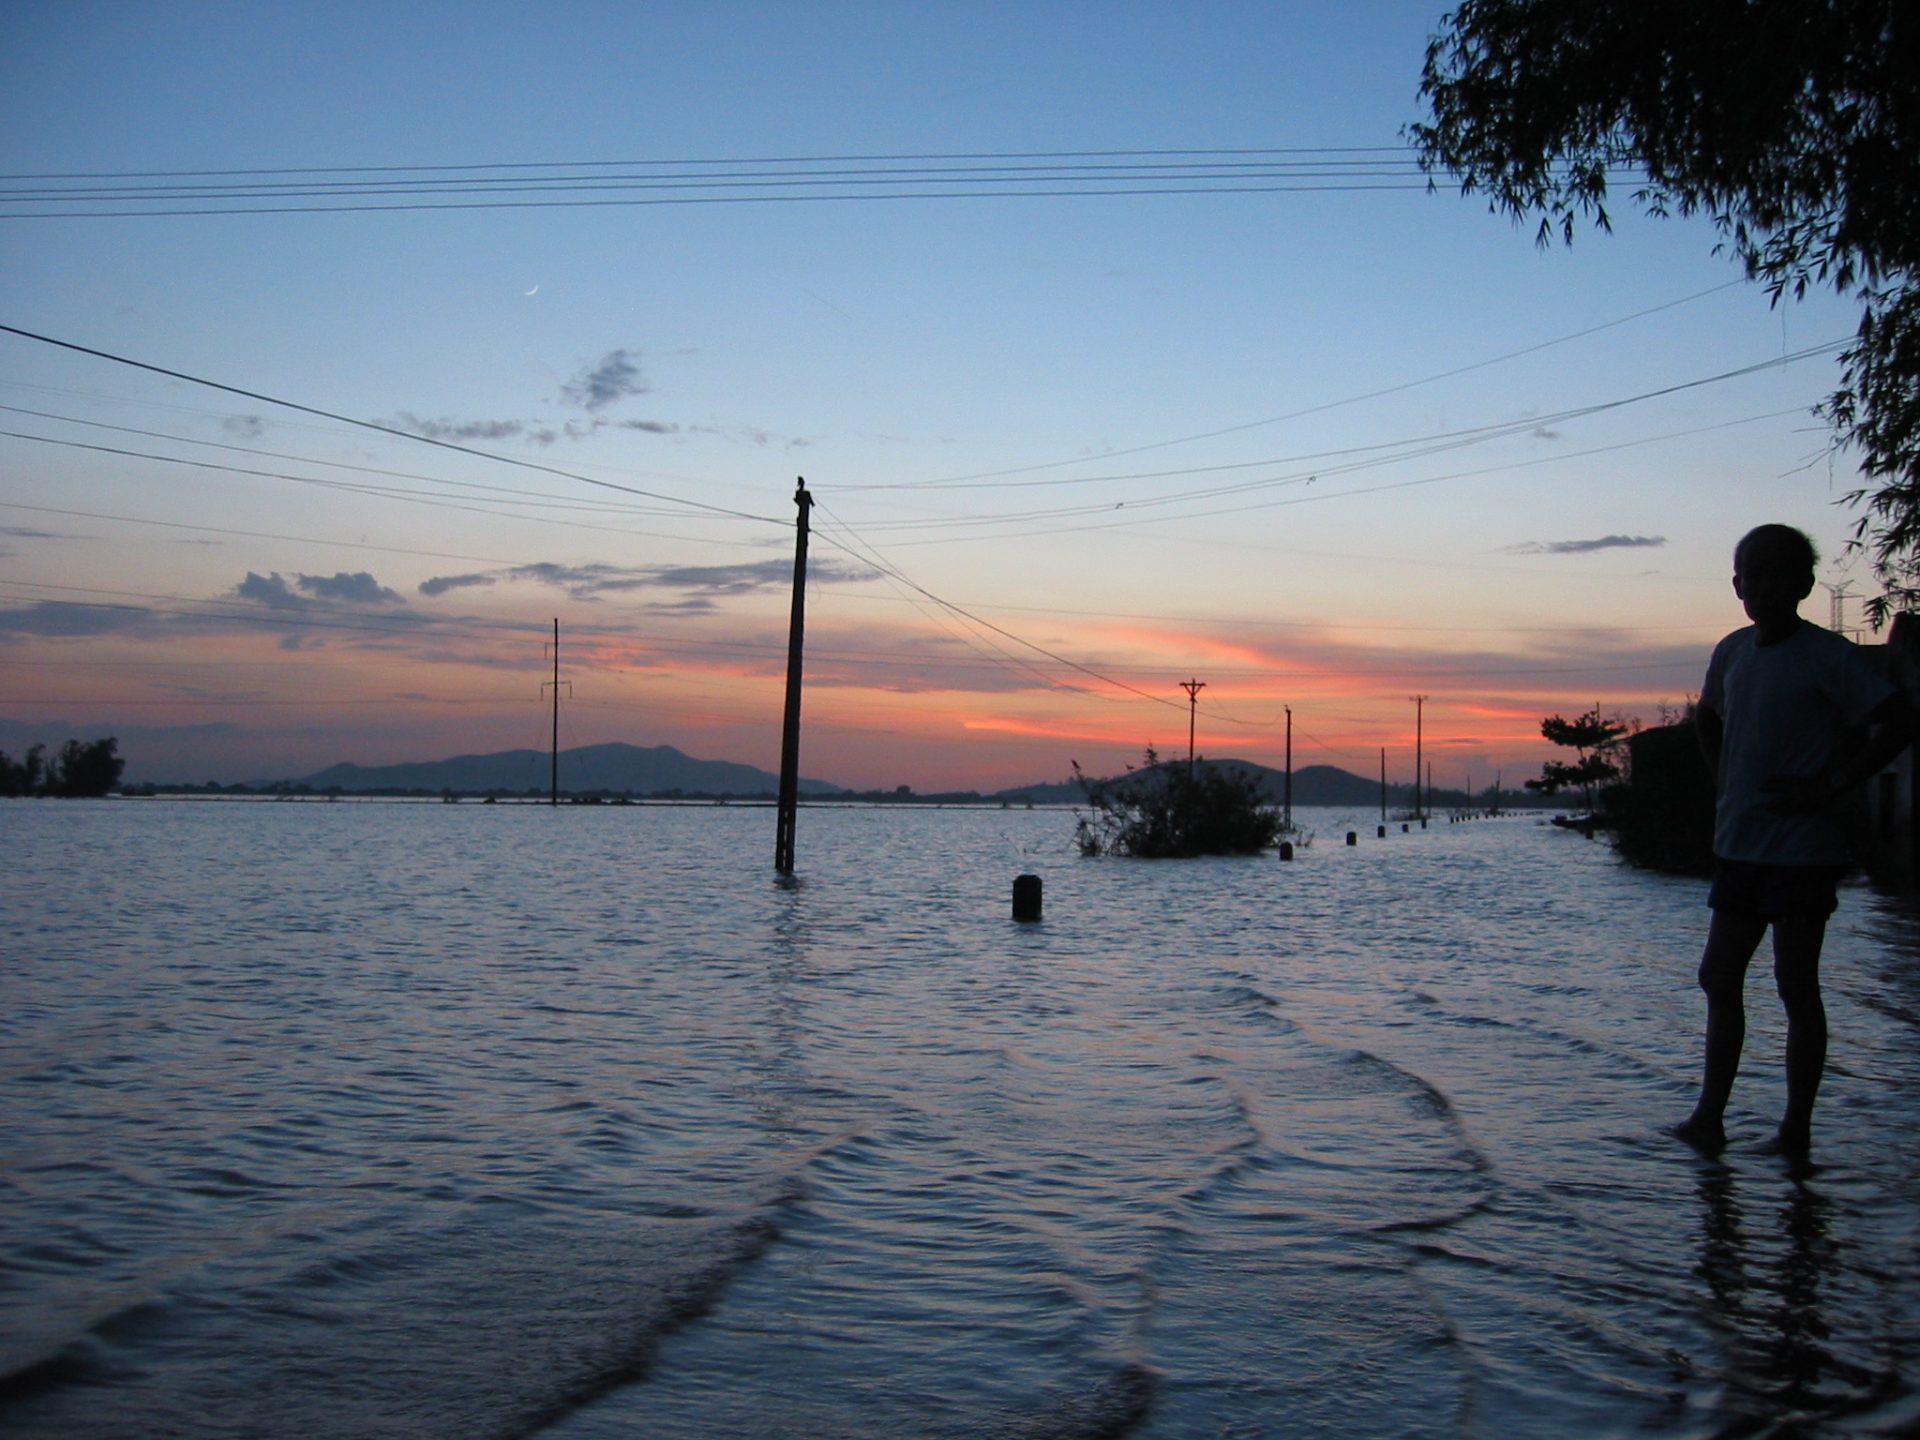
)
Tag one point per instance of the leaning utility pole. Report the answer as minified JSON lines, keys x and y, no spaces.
{"x":1193,"y":689}
{"x":790,"y":733}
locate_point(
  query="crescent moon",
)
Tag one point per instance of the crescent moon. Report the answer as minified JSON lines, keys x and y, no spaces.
{"x":534,"y":291}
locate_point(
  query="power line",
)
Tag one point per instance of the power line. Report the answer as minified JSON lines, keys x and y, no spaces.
{"x":1038,"y":174}
{"x":1330,"y":494}
{"x":969,"y":481}
{"x":1412,"y":448}
{"x":386,"y":429}
{"x":606,"y":506}
{"x":511,"y":165}
{"x":873,"y":557}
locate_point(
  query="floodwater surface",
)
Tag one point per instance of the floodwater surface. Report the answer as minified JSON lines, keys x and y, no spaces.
{"x":367,"y":1120}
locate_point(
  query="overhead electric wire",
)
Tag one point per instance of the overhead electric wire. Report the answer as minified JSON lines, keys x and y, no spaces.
{"x":321,"y":483}
{"x":796,"y":179}
{"x":873,"y":557}
{"x":969,"y":480}
{"x":603,"y":506}
{"x":697,"y":505}
{"x":934,"y":607}
{"x":1346,"y":494}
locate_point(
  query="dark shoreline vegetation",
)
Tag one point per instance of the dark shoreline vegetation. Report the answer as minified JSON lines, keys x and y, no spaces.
{"x":82,"y":769}
{"x":1242,"y":787}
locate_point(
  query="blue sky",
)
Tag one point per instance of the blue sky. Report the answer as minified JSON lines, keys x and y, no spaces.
{"x":998,"y":399}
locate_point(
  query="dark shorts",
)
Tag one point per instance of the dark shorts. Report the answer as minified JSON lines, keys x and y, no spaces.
{"x":1775,"y":892}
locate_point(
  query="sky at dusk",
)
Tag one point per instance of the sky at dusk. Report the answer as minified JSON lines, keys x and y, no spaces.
{"x":1119,"y":344}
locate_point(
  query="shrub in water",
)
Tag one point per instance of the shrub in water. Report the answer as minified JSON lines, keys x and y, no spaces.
{"x":1163,"y":811}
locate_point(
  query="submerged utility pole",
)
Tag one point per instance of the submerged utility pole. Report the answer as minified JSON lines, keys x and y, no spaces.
{"x":1419,"y":809}
{"x":1193,"y":689}
{"x":1383,"y":785}
{"x":790,"y":732}
{"x":1288,"y":808}
{"x":553,"y":752}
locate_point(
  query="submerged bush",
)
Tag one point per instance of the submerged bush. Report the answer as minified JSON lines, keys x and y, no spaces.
{"x":1163,"y":811}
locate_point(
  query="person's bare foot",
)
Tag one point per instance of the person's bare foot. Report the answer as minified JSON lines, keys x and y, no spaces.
{"x":1709,"y":1137}
{"x":1794,"y":1142}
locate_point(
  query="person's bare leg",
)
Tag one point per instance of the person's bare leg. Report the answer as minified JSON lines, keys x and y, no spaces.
{"x":1796,"y":971}
{"x":1731,"y":941}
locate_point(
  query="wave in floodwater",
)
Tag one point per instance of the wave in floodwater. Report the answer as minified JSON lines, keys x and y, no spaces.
{"x":420,"y":1120}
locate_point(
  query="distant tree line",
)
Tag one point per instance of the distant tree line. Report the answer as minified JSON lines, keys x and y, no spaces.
{"x":81,"y":768}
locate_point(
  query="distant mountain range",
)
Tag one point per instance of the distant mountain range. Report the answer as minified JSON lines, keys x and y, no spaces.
{"x":614,"y":769}
{"x":663,"y":771}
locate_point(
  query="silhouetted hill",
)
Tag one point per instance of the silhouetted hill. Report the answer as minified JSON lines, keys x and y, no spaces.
{"x":616,"y":769}
{"x":1312,"y":785}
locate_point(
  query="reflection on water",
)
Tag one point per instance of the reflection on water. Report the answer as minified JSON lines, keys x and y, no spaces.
{"x":442,"y":1120}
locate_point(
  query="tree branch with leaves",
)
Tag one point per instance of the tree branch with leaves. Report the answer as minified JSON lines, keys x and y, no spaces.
{"x":1794,"y":126}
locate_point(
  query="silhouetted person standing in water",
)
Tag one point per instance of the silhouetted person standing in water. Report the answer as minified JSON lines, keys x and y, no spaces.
{"x":1781,"y":701}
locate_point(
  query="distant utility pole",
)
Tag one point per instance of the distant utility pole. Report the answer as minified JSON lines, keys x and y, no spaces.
{"x":790,"y":732}
{"x":553,"y":753}
{"x":1193,"y":689}
{"x":1289,"y":799}
{"x":1419,"y":705}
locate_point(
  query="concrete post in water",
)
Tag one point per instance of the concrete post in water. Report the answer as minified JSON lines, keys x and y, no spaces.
{"x":1381,"y":833}
{"x":1286,"y":849}
{"x":1026,"y":897}
{"x":1353,"y":837}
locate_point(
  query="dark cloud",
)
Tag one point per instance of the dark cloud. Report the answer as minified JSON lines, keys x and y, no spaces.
{"x":760,"y":575}
{"x":53,"y":732}
{"x":440,"y":584}
{"x":651,"y":427}
{"x":63,"y":618}
{"x":582,"y":582}
{"x":1587,"y":547}
{"x":271,"y":591}
{"x":245,"y":427}
{"x":752,"y":435}
{"x":306,"y":592}
{"x":359,"y":588}
{"x":598,"y":386}
{"x":20,"y":532}
{"x":444,"y":429}
{"x":588,"y":582}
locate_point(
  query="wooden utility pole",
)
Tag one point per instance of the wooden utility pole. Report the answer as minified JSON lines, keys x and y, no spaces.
{"x":790,"y":732}
{"x":1383,"y":785}
{"x":553,"y":752}
{"x":1288,"y":807}
{"x":1419,"y":808}
{"x":1193,"y":689}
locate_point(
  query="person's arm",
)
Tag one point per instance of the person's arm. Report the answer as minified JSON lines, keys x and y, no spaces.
{"x":1708,"y":726}
{"x":1893,"y":723}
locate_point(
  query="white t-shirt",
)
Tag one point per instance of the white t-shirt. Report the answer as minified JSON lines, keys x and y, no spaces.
{"x":1785,"y":709}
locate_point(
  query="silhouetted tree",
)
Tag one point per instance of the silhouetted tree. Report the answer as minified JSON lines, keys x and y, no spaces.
{"x":1594,"y":741}
{"x":21,"y":777}
{"x":84,"y":769}
{"x":1794,"y":126}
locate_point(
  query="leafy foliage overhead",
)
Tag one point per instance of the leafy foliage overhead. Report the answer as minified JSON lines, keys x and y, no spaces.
{"x":1793,"y":124}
